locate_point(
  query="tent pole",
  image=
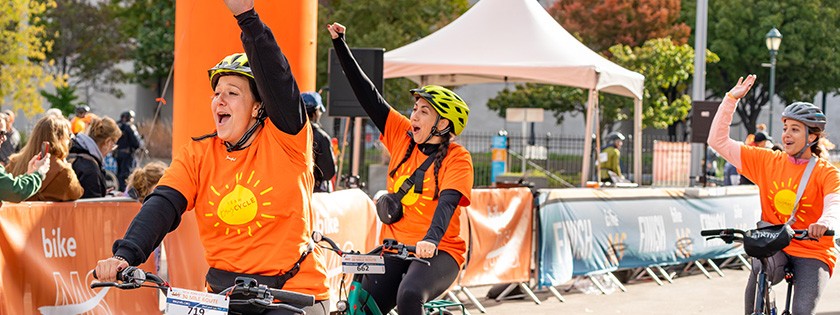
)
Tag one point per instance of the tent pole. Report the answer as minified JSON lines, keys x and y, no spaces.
{"x":587,"y":139}
{"x":637,"y":140}
{"x":597,"y":125}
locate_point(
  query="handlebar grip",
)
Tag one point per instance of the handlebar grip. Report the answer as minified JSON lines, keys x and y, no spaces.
{"x":94,"y":275}
{"x":711,"y":232}
{"x":295,"y":298}
{"x":411,"y":249}
{"x":801,"y":232}
{"x":101,"y":284}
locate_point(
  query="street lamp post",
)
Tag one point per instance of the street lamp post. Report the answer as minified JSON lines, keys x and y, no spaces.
{"x":773,"y":41}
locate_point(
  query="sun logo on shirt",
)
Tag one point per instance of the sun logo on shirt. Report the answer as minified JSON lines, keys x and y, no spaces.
{"x":783,"y":196}
{"x":411,"y":200}
{"x":239,"y":206}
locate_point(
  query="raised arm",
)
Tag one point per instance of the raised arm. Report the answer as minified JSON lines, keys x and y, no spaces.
{"x":367,"y":94}
{"x":17,"y":189}
{"x":276,"y":84}
{"x":719,"y":138}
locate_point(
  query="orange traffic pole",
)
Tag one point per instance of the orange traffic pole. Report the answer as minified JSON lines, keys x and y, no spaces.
{"x":206,"y":32}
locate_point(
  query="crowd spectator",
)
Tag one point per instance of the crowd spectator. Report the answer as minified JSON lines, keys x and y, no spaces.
{"x":12,"y":143}
{"x":60,"y":183}
{"x":54,"y":112}
{"x":88,"y":152}
{"x":321,"y":147}
{"x":82,"y":119}
{"x":143,"y":180}
{"x":128,"y":143}
{"x":19,"y":188}
{"x":610,"y":157}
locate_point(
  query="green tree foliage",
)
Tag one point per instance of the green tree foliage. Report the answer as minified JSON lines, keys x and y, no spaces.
{"x":808,"y":59}
{"x":150,"y":27}
{"x":667,"y":68}
{"x":64,"y":99}
{"x":368,"y":25}
{"x":22,"y":48}
{"x":87,"y":45}
{"x":603,"y":23}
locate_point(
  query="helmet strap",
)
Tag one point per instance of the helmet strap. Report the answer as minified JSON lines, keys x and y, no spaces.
{"x":807,"y":144}
{"x":250,"y":132}
{"x":436,"y":132}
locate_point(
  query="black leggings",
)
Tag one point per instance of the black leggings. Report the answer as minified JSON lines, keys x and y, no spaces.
{"x":407,"y":285}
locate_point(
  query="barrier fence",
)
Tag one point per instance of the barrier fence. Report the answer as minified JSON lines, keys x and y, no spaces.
{"x":48,"y":251}
{"x":563,"y":154}
{"x":586,"y":231}
{"x":48,"y":248}
{"x":501,"y":226}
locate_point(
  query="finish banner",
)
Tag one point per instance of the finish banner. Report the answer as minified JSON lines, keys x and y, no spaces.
{"x":586,"y":231}
{"x":501,"y":227}
{"x":49,"y":250}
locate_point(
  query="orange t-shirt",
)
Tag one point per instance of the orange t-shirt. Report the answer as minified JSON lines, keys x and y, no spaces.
{"x":778,"y":179}
{"x":253,"y":206}
{"x":456,"y":172}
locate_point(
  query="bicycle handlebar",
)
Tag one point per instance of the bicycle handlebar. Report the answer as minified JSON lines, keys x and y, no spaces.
{"x":732,"y":234}
{"x":401,"y":249}
{"x":293,"y":297}
{"x":132,"y":278}
{"x":268,"y":298}
{"x":719,"y":232}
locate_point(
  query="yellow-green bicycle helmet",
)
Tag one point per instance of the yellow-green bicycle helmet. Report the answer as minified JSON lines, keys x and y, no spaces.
{"x":448,"y":105}
{"x":236,"y":63}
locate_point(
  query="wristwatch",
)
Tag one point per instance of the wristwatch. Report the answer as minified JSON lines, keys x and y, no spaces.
{"x":120,"y":258}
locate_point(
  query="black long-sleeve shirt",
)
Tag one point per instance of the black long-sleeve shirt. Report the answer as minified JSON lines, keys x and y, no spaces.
{"x":378,"y":108}
{"x":161,"y":211}
{"x":324,"y":162}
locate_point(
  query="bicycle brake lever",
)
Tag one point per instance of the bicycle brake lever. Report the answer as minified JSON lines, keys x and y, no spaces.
{"x":261,"y":302}
{"x":103,"y":284}
{"x":421,"y":260}
{"x":127,"y":286}
{"x":290,"y":308}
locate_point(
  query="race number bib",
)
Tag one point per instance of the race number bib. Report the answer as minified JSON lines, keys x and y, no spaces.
{"x":188,"y":302}
{"x":363,"y":264}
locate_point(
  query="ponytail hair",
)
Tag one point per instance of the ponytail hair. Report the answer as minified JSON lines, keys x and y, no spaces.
{"x":816,"y":148}
{"x":443,"y":149}
{"x":440,"y":154}
{"x":411,"y":146}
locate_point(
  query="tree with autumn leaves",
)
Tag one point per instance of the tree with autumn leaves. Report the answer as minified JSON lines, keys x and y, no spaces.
{"x":641,"y":35}
{"x":22,"y":49}
{"x":602,"y":24}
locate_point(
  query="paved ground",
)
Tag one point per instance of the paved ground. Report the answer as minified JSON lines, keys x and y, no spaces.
{"x":693,"y":294}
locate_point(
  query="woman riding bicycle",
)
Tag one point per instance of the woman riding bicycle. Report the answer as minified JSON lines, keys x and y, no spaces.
{"x":253,"y":220}
{"x":777,"y":174}
{"x":430,"y":219}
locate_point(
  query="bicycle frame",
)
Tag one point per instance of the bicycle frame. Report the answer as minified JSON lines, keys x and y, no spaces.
{"x":762,"y":292}
{"x":358,"y":301}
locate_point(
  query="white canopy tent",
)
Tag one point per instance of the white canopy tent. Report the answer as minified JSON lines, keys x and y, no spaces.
{"x":517,"y":41}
